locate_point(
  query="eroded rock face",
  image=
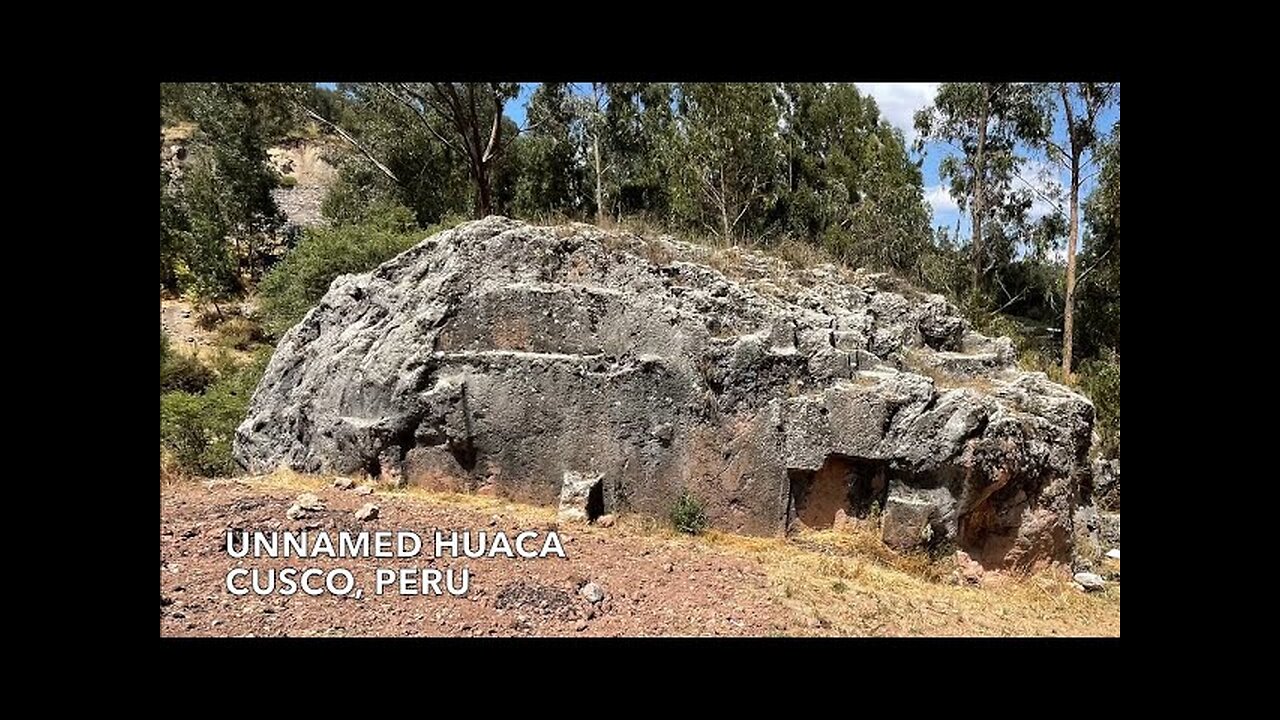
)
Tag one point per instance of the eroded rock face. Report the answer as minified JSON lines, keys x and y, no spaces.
{"x":1106,"y":484}
{"x":504,"y":357}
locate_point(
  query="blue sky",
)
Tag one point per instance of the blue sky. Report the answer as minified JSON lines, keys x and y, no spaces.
{"x":898,"y":104}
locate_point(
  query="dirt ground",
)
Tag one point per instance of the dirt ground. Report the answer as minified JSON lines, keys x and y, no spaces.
{"x":654,"y":581}
{"x":179,"y":319}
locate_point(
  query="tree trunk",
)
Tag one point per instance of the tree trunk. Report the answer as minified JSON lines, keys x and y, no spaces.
{"x":484,"y":204}
{"x":1068,"y":315}
{"x":724,"y":211}
{"x":1068,"y":319}
{"x":979,"y":178}
{"x":595,"y":146}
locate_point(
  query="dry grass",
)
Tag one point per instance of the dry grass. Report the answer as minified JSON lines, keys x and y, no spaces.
{"x":946,"y":381}
{"x":643,"y":238}
{"x":865,"y":379}
{"x":917,"y":361}
{"x":850,"y":583}
{"x":284,"y":479}
{"x":891,"y":282}
{"x":853,"y":585}
{"x":171,"y":472}
{"x":727,"y":263}
{"x":657,"y":252}
{"x":240,"y":333}
{"x":837,"y":583}
{"x":179,"y":131}
{"x":801,"y":255}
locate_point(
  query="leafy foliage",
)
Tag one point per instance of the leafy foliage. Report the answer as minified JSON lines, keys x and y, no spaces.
{"x":637,"y":143}
{"x":1100,"y":380}
{"x":850,"y":182}
{"x":430,"y":181}
{"x":220,"y":223}
{"x":179,"y":371}
{"x":1099,"y":290}
{"x":298,"y":282}
{"x":728,"y":180}
{"x":550,"y":180}
{"x":688,"y":514}
{"x":198,"y":427}
{"x":174,"y":229}
{"x":986,"y":123}
{"x":241,"y":333}
{"x":1082,"y":105}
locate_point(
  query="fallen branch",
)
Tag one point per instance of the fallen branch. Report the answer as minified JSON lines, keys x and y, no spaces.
{"x":354,"y":142}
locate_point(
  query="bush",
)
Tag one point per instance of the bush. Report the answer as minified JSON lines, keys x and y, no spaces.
{"x":299,"y":281}
{"x":346,"y":204}
{"x":179,"y":371}
{"x":240,"y":333}
{"x":1037,"y":351}
{"x":688,"y":514}
{"x":288,"y":182}
{"x":197,"y":428}
{"x":1100,"y":380}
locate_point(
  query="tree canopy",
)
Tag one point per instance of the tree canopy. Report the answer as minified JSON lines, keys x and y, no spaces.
{"x":759,"y":164}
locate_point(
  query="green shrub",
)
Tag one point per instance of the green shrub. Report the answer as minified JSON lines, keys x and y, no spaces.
{"x":1037,"y":351}
{"x":1100,"y":380}
{"x":288,"y":182}
{"x":240,"y":333}
{"x":197,"y":428}
{"x":347,"y":204}
{"x":688,"y":514}
{"x":179,"y":371}
{"x":299,"y":281}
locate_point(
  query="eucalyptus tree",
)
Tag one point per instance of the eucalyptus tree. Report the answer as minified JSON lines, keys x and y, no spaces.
{"x":1082,"y":106}
{"x":730,"y":153}
{"x":849,"y":181}
{"x":983,"y":125}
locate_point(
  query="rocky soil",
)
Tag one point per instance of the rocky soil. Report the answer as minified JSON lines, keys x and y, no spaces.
{"x":646,"y":589}
{"x":624,"y":580}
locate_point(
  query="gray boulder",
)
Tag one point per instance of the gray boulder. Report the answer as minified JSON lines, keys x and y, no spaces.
{"x":1109,"y":529}
{"x":575,"y":496}
{"x":592,"y":592}
{"x":1091,"y":582}
{"x":909,"y":521}
{"x":1106,"y":484}
{"x":309,"y":501}
{"x":500,"y":356}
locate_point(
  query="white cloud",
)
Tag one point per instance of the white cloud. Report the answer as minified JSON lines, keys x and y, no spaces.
{"x":899,"y":102}
{"x":939,"y":198}
{"x":1044,"y":179}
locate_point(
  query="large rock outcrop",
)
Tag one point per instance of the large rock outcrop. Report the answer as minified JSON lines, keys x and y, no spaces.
{"x":504,"y":357}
